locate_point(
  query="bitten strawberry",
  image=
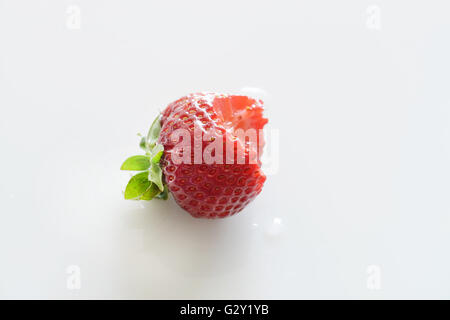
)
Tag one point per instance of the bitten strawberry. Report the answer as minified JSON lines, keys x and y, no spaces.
{"x":205,"y":150}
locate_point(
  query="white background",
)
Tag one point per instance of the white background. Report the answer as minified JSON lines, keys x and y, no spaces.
{"x":360,"y":96}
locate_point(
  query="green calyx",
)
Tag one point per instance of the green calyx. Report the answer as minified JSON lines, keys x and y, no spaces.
{"x":148,"y":183}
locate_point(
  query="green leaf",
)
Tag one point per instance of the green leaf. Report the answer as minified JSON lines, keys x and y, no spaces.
{"x":165,"y":194}
{"x":149,"y":184}
{"x":153,"y":133}
{"x":157,"y":153}
{"x":142,"y":144}
{"x":137,"y":185}
{"x":155,"y":176}
{"x":136,"y":163}
{"x":151,"y":192}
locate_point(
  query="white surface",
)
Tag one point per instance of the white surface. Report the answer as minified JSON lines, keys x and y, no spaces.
{"x":363,"y":113}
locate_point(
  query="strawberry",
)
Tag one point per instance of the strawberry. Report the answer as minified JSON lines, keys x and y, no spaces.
{"x":205,"y":150}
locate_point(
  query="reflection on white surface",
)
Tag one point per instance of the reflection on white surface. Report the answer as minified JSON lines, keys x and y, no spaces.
{"x":275,"y":228}
{"x":363,"y":175}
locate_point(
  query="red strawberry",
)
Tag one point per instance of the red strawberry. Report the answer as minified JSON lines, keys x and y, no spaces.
{"x":207,"y":187}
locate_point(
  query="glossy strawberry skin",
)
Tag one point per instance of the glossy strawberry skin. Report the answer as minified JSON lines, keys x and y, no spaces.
{"x":211,"y":190}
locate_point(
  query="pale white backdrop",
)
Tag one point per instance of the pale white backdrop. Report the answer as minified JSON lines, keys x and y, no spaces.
{"x":359,"y":91}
